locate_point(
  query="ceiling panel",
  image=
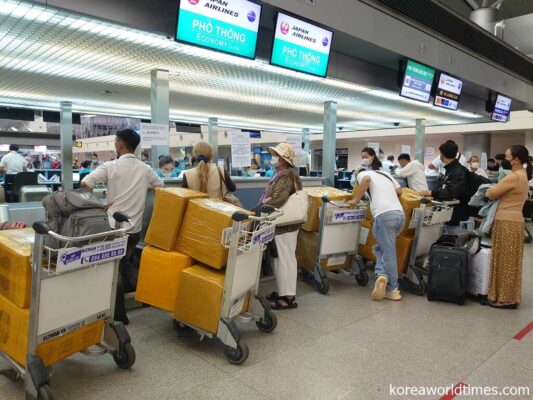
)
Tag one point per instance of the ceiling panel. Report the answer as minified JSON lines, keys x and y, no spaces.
{"x":49,"y":55}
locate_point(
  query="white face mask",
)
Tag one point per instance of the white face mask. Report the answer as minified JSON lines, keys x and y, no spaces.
{"x":274,"y":161}
{"x":475,"y":165}
{"x":167,"y":174}
{"x":366,"y":162}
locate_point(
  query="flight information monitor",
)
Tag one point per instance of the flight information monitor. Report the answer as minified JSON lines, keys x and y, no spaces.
{"x":448,"y":92}
{"x":417,"y":81}
{"x":502,"y":109}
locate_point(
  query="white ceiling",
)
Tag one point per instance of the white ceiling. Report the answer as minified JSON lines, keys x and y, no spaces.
{"x":49,"y":55}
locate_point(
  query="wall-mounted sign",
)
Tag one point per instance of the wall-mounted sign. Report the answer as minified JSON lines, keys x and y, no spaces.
{"x":241,"y":149}
{"x":502,"y":109}
{"x":406,"y":149}
{"x":374,"y":146}
{"x":448,"y":92}
{"x":4,"y":147}
{"x":417,"y":81}
{"x":40,"y":149}
{"x":296,"y":142}
{"x":430,"y":152}
{"x":154,"y":134}
{"x":301,"y":46}
{"x":229,"y":26}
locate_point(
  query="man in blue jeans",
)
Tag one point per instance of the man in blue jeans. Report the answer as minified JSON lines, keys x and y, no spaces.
{"x":389,"y":218}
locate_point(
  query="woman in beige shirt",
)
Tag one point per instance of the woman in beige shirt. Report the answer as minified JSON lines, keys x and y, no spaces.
{"x":505,"y":281}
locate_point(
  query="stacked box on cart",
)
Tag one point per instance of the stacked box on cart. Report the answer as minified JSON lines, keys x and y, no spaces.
{"x":315,"y":195}
{"x":307,"y":251}
{"x":409,"y":201}
{"x":159,"y":277}
{"x":201,"y":231}
{"x":15,"y":265}
{"x":14,"y":325}
{"x":169,"y":207}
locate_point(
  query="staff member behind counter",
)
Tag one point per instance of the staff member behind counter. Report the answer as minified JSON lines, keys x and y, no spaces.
{"x":128,"y":180}
{"x":12,"y":164}
{"x":414,"y":172}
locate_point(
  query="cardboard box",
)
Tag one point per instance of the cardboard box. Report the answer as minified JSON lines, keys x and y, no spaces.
{"x":201,"y":231}
{"x":307,"y":250}
{"x":15,"y":265}
{"x":14,"y":325}
{"x":409,"y":201}
{"x":159,"y":277}
{"x":404,"y":243}
{"x":200,"y":297}
{"x":315,"y":202}
{"x":169,"y":207}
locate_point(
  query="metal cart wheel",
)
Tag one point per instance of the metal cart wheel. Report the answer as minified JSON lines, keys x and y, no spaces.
{"x":419,"y":289}
{"x":268,"y":324}
{"x":362,"y":278}
{"x":237,"y":356}
{"x":322,"y":286}
{"x":127,"y":358}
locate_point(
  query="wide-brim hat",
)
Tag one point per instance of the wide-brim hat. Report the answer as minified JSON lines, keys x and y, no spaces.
{"x":285,"y":151}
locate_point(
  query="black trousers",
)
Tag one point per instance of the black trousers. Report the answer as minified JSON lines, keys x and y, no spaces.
{"x":127,"y":277}
{"x":8,"y":183}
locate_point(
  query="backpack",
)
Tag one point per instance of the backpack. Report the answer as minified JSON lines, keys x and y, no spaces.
{"x":473,"y":182}
{"x":74,"y":213}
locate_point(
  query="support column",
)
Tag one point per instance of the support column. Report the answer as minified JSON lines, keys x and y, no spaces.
{"x":329,"y":141}
{"x":213,"y":137}
{"x":307,"y":147}
{"x":420,"y":140}
{"x":65,"y":132}
{"x":528,"y":141}
{"x":160,"y":109}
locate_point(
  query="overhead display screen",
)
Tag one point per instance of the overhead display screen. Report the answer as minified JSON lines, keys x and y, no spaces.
{"x":448,"y":92}
{"x":502,"y":109}
{"x":229,"y":26}
{"x":417,"y":81}
{"x":301,"y":46}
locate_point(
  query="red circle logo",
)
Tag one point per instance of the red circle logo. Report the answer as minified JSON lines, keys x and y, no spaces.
{"x":285,"y":27}
{"x":194,"y":2}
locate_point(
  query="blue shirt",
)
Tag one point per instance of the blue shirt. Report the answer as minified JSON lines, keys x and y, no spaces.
{"x":269,"y":173}
{"x":85,"y":170}
{"x":160,"y":174}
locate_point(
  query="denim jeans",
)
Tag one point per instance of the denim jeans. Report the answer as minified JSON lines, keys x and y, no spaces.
{"x":386,"y":229}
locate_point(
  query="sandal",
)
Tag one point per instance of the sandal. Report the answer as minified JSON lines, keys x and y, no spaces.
{"x":504,"y":306}
{"x":283,"y":303}
{"x":273,"y":296}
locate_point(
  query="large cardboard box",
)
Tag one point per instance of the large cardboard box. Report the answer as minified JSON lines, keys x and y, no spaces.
{"x":199,"y":297}
{"x":14,"y":324}
{"x":307,"y":251}
{"x":15,"y":265}
{"x":201,"y":231}
{"x":159,"y":277}
{"x":409,"y":200}
{"x":169,"y":207}
{"x":315,"y":202}
{"x":404,"y":243}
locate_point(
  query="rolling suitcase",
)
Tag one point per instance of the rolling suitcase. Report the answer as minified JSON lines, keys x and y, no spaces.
{"x":478,"y":275}
{"x":448,"y":273}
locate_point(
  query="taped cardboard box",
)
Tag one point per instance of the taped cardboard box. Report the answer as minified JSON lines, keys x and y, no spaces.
{"x":159,"y":277}
{"x":15,"y":265}
{"x":201,"y":231}
{"x":409,"y":201}
{"x":307,"y":251}
{"x":14,"y":324}
{"x":315,"y":202}
{"x":169,"y":207}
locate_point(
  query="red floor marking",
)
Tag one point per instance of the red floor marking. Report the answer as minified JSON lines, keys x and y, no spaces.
{"x":454,"y":392}
{"x":520,"y":335}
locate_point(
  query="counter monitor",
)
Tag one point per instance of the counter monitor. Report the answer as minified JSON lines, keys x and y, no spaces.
{"x":448,"y":92}
{"x":417,"y":81}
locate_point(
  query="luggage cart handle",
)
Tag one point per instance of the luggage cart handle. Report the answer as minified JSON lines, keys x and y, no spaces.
{"x":272,"y":214}
{"x":42,"y":228}
{"x":325,"y":199}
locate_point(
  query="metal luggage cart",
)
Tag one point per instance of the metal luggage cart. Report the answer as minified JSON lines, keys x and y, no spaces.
{"x":340,"y":227}
{"x":73,"y":287}
{"x":246,"y":242}
{"x":428,"y":230}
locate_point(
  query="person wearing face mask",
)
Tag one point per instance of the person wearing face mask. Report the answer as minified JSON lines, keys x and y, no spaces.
{"x":438,"y":165}
{"x":206,"y":177}
{"x":285,"y":182}
{"x":474,"y":167}
{"x":505,"y":280}
{"x":166,"y":168}
{"x":128,"y":180}
{"x":369,"y":161}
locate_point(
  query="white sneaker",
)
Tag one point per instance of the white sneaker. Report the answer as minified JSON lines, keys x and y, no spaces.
{"x":379,"y":288}
{"x":394,"y":294}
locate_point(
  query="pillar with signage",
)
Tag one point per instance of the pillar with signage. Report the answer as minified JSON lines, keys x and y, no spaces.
{"x":65,"y":132}
{"x":160,"y":115}
{"x":420,"y":140}
{"x":213,"y":137}
{"x":329,"y":142}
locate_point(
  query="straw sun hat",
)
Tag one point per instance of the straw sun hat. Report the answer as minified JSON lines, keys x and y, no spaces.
{"x":285,"y":151}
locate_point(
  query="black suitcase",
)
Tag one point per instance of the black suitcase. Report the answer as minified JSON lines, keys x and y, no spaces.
{"x":448,"y":274}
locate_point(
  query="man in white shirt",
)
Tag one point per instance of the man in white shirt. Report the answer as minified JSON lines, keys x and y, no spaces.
{"x":438,"y":165}
{"x":388,"y":222}
{"x":10,"y":165}
{"x":128,"y":180}
{"x":413,"y":171}
{"x":303,"y":162}
{"x":474,"y":167}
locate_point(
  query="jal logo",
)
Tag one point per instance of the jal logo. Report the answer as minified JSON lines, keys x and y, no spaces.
{"x":442,"y":81}
{"x":325,"y":41}
{"x":251,"y":16}
{"x":285,"y":27}
{"x":194,"y":2}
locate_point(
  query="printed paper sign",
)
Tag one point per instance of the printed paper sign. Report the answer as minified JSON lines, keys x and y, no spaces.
{"x":406,"y":149}
{"x":374,"y":146}
{"x":241,"y":149}
{"x":483,"y":161}
{"x":363,"y":237}
{"x":468,"y":155}
{"x":430,"y":152}
{"x":78,"y":257}
{"x":154,"y":134}
{"x":296,"y":142}
{"x":40,"y":149}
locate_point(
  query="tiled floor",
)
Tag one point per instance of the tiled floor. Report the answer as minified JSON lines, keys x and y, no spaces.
{"x":339,"y":346}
